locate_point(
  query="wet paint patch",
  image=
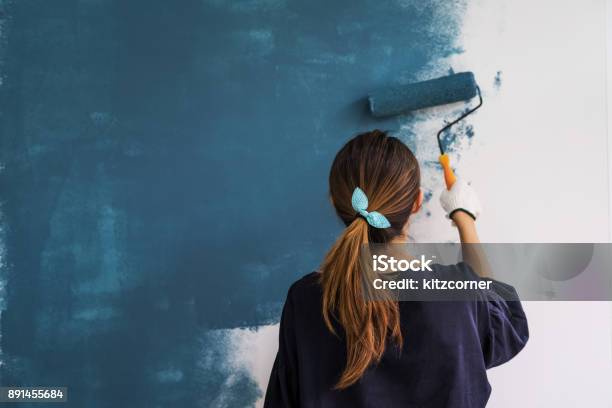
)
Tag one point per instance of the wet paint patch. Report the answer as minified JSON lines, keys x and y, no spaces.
{"x":144,"y":213}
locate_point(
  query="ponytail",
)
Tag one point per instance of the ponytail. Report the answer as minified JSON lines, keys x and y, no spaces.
{"x":374,"y":184}
{"x":366,"y":323}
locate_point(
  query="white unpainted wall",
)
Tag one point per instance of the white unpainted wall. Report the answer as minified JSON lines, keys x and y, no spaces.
{"x":541,"y":167}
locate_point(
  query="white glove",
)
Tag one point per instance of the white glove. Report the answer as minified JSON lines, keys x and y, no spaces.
{"x":461,"y":196}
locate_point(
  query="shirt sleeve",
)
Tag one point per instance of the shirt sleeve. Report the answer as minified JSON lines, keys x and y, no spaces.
{"x":282,"y":389}
{"x":502,"y":324}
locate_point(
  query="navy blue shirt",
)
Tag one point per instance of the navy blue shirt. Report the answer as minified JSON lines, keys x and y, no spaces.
{"x":448,"y":346}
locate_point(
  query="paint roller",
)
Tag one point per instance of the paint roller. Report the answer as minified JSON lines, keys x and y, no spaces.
{"x":420,"y":95}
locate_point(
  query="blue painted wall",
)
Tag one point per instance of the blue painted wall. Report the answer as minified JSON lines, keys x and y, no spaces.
{"x":164,"y":174}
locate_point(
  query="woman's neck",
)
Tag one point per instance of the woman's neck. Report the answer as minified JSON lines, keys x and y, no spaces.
{"x":400,"y":239}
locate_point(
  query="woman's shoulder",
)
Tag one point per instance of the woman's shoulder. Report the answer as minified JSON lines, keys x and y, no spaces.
{"x":306,"y":282}
{"x":306,"y":287}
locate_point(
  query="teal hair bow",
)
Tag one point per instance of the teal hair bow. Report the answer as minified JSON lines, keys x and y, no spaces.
{"x":359,"y":201}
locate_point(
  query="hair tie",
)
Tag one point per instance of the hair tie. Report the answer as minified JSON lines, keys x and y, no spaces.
{"x":359,"y":201}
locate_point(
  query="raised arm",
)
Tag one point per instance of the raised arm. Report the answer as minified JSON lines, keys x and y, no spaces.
{"x":463,"y":207}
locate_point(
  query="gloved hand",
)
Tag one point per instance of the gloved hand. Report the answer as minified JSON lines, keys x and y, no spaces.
{"x":461,"y":196}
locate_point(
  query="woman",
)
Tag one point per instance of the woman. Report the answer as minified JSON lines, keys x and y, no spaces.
{"x":338,"y":350}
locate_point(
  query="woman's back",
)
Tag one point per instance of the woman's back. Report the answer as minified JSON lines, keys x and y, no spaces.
{"x":447,"y":348}
{"x":339,"y":349}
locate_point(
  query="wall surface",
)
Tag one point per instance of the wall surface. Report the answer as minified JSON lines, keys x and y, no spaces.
{"x":163,"y":173}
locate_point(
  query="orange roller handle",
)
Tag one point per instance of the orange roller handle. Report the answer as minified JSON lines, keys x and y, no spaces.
{"x":449,"y":175}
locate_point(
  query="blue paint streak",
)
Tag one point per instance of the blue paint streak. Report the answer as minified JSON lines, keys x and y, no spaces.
{"x":497,"y":81}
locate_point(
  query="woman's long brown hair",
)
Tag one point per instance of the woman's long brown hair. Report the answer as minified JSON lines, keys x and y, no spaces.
{"x":387,"y":171}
